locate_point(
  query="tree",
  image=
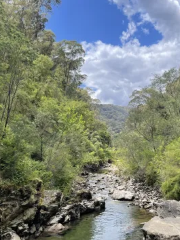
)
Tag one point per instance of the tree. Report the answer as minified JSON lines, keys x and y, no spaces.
{"x":69,"y":55}
{"x":29,"y":15}
{"x":152,"y":124}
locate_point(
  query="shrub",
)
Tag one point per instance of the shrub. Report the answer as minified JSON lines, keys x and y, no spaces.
{"x":171,"y":188}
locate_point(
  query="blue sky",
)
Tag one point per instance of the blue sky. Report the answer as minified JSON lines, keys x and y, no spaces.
{"x":126,"y":41}
{"x":88,"y":20}
{"x":93,"y":20}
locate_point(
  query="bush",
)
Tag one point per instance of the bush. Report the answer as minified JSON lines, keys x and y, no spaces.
{"x":171,"y":188}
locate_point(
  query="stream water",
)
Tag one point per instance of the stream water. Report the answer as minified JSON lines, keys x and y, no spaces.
{"x":117,"y":222}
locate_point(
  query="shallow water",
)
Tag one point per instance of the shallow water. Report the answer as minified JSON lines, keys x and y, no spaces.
{"x":117,"y":222}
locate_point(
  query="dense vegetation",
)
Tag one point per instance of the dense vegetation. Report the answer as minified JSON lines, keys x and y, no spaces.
{"x":114,"y":116}
{"x":48,"y":129}
{"x":150,"y":143}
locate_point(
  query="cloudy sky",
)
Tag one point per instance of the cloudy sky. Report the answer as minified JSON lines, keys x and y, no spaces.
{"x":126,"y":41}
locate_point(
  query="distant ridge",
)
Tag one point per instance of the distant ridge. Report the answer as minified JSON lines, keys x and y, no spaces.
{"x":113,"y":115}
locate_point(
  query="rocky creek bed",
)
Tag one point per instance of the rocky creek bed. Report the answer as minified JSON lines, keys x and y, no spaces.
{"x":25,"y":213}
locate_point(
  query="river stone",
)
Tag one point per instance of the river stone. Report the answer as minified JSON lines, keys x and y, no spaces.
{"x":123,"y":195}
{"x":99,"y":203}
{"x":56,"y":229}
{"x":169,"y":208}
{"x":54,"y":220}
{"x":162,"y":229}
{"x":10,"y":236}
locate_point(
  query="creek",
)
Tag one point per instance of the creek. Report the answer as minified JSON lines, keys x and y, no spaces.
{"x":119,"y":221}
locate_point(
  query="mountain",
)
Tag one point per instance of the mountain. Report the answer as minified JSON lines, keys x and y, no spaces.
{"x":114,"y":116}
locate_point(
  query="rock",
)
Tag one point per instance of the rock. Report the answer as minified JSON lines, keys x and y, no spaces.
{"x":26,"y":217}
{"x":53,"y":209}
{"x":152,"y":211}
{"x":84,"y":194}
{"x":10,"y":236}
{"x":111,"y":191}
{"x":162,"y":229}
{"x":87,"y":207}
{"x":169,"y":208}
{"x":67,"y":214}
{"x":51,"y":197}
{"x":123,"y":195}
{"x":39,"y":232}
{"x":55,"y":220}
{"x":130,"y":204}
{"x":99,"y":203}
{"x":56,"y":229}
{"x":33,"y":229}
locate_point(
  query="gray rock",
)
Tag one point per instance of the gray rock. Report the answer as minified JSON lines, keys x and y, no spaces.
{"x":33,"y":229}
{"x":170,"y":208}
{"x":10,"y":236}
{"x":123,"y":195}
{"x":56,"y":229}
{"x":55,"y":220}
{"x":53,"y":209}
{"x":51,"y":197}
{"x":26,"y":217}
{"x":162,"y":229}
{"x":99,"y":203}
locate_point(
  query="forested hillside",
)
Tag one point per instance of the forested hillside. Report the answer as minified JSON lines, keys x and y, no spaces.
{"x":149,"y":146}
{"x":48,"y":129}
{"x":114,"y":116}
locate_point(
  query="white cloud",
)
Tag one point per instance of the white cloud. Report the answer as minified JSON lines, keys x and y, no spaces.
{"x":130,"y":32}
{"x":115,"y":71}
{"x":145,"y":30}
{"x":164,"y":14}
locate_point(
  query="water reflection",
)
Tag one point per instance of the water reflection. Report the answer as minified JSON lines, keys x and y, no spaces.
{"x":117,"y":222}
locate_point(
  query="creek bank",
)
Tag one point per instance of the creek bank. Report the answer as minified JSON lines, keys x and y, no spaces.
{"x":146,"y":197}
{"x":29,"y":211}
{"x":24,"y":211}
{"x":110,"y":184}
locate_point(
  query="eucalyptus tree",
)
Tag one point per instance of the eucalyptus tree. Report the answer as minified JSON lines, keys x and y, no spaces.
{"x":69,"y":56}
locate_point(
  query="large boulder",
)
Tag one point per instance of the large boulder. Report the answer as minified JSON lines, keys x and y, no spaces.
{"x":162,"y":229}
{"x":68,"y":213}
{"x":169,"y":208}
{"x":123,"y":195}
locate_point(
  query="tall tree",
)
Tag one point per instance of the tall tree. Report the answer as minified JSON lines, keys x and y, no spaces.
{"x":69,"y":55}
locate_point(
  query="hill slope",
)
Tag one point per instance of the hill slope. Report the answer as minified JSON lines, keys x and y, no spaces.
{"x":114,"y":116}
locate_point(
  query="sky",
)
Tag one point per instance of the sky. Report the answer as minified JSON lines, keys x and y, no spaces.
{"x":127,"y":42}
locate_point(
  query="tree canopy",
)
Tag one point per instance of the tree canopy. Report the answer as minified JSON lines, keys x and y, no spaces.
{"x":48,"y":129}
{"x":149,"y":144}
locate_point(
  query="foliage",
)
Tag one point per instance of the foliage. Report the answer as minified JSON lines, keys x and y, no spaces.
{"x":171,"y":188}
{"x":114,"y":116}
{"x":48,"y":129}
{"x":151,"y":135}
